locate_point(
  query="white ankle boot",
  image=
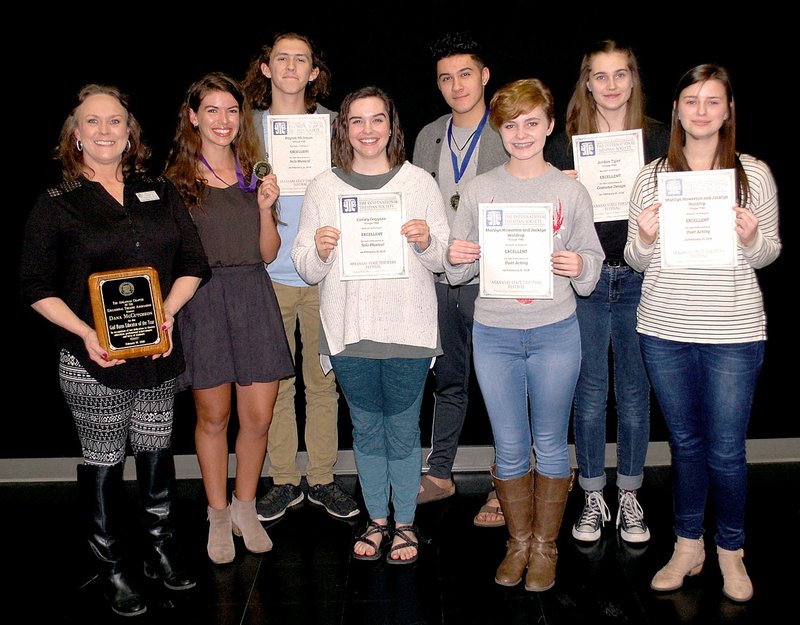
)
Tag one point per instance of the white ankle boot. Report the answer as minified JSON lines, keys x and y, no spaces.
{"x":246,"y":524}
{"x":737,"y":585}
{"x":687,"y":559}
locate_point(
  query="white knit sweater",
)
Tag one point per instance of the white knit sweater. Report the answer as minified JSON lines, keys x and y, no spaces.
{"x":399,"y":311}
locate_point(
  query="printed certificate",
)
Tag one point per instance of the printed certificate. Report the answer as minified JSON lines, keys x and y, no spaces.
{"x":516,"y":243}
{"x":696,"y":221}
{"x":607,"y":164}
{"x":371,"y":246}
{"x":299,"y":148}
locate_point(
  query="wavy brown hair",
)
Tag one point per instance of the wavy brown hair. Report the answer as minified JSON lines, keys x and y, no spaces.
{"x":258,"y":88}
{"x":182,"y":166}
{"x":73,"y":166}
{"x":342,"y":151}
{"x":582,"y":109}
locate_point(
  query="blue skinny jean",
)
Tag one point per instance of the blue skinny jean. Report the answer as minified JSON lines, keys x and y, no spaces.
{"x":527,"y":378}
{"x":706,"y":393}
{"x":384,"y":397}
{"x":607,"y":318}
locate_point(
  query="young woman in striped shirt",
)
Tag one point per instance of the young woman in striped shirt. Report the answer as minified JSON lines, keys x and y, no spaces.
{"x":702,"y":330}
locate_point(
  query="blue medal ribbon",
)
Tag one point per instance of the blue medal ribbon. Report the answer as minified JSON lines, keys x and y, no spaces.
{"x":459,"y":171}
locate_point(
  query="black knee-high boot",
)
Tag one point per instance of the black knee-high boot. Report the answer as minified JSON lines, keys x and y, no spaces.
{"x":155,"y":472}
{"x":101,"y":489}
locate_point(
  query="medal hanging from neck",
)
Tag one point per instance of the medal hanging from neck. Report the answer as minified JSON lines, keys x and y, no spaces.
{"x":458,"y":172}
{"x":247,"y":188}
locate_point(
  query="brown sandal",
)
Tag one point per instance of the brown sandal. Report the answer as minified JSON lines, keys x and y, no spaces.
{"x":372,"y":529}
{"x":431,"y":491}
{"x":490,"y":509}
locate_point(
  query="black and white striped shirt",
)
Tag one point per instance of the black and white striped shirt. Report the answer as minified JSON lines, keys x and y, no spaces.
{"x":705,"y":305}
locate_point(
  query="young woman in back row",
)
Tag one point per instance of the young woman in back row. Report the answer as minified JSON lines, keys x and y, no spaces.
{"x":608,"y":97}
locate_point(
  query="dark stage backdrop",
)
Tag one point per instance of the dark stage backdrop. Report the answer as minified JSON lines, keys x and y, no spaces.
{"x":155,"y":60}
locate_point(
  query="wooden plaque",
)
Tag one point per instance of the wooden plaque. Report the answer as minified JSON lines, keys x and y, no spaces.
{"x":128,"y":312}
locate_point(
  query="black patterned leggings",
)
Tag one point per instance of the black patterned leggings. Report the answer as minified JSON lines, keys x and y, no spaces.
{"x":106,"y":417}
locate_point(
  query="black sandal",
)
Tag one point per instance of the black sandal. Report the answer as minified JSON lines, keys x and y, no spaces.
{"x":410,"y":538}
{"x":372,"y":529}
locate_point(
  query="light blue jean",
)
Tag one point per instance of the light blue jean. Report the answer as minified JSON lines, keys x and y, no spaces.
{"x":706,"y":393}
{"x":527,"y":378}
{"x":607,"y":317}
{"x":384,"y":397}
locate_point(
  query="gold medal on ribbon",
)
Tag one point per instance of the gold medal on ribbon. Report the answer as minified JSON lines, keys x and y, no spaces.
{"x":262,"y":169}
{"x":454,"y":200}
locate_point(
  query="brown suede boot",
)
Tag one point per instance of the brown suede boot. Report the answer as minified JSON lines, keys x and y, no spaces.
{"x":245,"y":523}
{"x":516,"y":501}
{"x":549,"y":501}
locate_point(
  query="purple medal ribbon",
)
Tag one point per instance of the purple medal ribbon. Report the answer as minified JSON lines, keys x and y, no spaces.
{"x":239,"y":175}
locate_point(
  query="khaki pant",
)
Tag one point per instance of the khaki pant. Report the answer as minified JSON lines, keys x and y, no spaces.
{"x":321,"y":397}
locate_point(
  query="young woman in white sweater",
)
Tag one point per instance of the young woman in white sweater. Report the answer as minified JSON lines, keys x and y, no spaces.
{"x":379,"y":333}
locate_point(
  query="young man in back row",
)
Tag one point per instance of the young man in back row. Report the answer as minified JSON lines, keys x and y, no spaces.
{"x":286,"y":78}
{"x":455,"y":148}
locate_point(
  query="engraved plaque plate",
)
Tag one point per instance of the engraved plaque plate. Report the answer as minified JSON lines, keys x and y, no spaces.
{"x":128,"y":312}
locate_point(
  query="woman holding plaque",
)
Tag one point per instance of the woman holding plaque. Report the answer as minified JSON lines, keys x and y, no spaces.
{"x":232,"y":329}
{"x":108,"y":215}
{"x":702,"y":329}
{"x":608,"y":98}
{"x":379,"y":326}
{"x":534,"y":341}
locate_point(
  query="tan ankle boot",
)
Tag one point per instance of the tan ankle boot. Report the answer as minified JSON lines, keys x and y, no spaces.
{"x":549,"y":500}
{"x":687,"y":559}
{"x":516,"y":501}
{"x":737,"y":585}
{"x":220,"y":538}
{"x":246,"y":524}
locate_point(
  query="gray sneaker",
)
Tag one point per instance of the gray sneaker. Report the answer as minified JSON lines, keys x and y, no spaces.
{"x":278,"y":499}
{"x":336,"y":501}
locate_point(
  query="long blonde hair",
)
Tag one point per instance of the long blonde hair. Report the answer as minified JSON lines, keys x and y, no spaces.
{"x":582,"y":109}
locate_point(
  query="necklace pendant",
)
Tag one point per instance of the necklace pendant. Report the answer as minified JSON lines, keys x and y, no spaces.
{"x":454,"y":200}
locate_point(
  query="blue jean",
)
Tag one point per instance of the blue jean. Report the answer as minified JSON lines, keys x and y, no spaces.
{"x":607,"y":317}
{"x":706,"y":393}
{"x":384,"y":397}
{"x":451,"y":374}
{"x":527,"y":378}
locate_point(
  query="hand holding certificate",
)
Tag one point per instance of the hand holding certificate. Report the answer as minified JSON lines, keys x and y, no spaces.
{"x":607,"y":164}
{"x":516,"y":244}
{"x":371,"y":245}
{"x":696,"y":218}
{"x":299,"y":148}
